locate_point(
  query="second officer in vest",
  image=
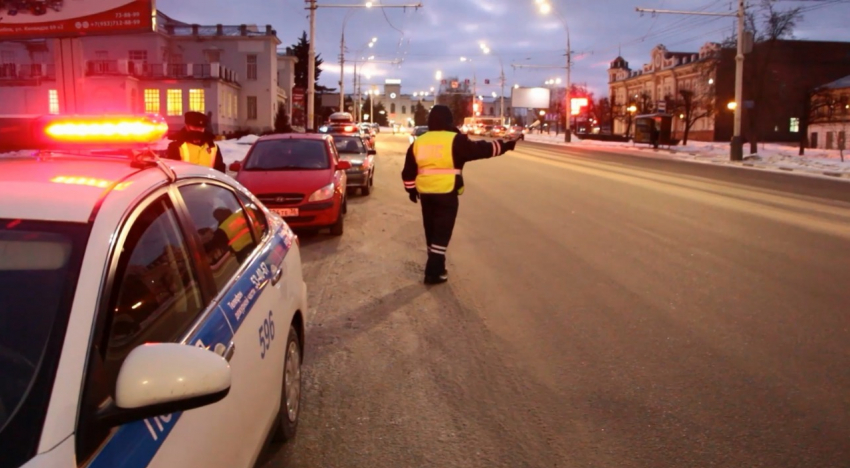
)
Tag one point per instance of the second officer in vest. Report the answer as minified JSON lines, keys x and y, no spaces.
{"x":195,"y":144}
{"x":433,"y":174}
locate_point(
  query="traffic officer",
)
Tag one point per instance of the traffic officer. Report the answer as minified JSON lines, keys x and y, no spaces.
{"x":195,"y":144}
{"x":433,"y":173}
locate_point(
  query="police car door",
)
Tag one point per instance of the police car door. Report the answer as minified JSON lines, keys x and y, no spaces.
{"x":246,"y":278}
{"x":155,"y":291}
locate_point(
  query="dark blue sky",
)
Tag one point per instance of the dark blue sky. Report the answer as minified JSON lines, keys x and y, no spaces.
{"x":437,"y":35}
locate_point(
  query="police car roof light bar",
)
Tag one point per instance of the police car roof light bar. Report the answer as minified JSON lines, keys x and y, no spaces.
{"x":111,"y":130}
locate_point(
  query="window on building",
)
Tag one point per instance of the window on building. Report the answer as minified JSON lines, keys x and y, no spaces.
{"x":174,"y":98}
{"x":252,"y":67}
{"x":234,"y":106}
{"x":196,"y":100}
{"x":138,"y":55}
{"x":404,"y":109}
{"x":152,"y":101}
{"x":212,"y":56}
{"x":492,"y":112}
{"x":392,"y":108}
{"x":252,"y":107}
{"x":795,"y":125}
{"x":53,"y":101}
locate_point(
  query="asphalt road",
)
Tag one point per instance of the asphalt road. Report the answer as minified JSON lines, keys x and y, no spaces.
{"x":602,"y":311}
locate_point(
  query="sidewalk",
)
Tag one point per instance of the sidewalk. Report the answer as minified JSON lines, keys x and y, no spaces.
{"x":771,"y":156}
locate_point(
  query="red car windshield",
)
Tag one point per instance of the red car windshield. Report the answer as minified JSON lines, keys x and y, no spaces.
{"x":288,"y":154}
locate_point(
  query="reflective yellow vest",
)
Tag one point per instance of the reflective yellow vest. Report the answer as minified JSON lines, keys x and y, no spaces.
{"x":201,"y":155}
{"x":437,"y":172}
{"x":237,"y":230}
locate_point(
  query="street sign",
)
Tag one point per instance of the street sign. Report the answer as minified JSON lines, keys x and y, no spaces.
{"x":486,"y":81}
{"x":661,"y":106}
{"x":455,"y":84}
{"x":43,"y":19}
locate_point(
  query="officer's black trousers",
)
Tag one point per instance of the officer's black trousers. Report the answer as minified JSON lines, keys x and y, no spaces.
{"x":438,"y":216}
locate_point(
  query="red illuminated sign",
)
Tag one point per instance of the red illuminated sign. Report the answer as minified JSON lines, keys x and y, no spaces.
{"x":66,"y":18}
{"x":576,"y":104}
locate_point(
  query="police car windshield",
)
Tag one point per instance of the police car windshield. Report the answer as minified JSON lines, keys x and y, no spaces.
{"x":349,"y":145}
{"x":288,"y":154}
{"x":39,"y":266}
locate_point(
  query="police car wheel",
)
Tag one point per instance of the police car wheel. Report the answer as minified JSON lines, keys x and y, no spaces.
{"x":366,"y":189}
{"x":290,"y":396}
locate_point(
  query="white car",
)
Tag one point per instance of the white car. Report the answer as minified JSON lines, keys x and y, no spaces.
{"x":151,"y":312}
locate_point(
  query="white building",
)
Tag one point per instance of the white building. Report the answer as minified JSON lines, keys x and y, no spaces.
{"x":401,"y":107}
{"x":232,"y":73}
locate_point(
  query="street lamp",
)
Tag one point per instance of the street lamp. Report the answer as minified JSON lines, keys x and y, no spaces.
{"x":486,"y":50}
{"x":546,"y":8}
{"x":474,"y":78}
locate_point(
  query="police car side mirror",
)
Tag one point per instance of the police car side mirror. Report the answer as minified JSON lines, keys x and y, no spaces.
{"x":372,"y":152}
{"x":163,"y":378}
{"x":343,"y":165}
{"x":235,"y":166}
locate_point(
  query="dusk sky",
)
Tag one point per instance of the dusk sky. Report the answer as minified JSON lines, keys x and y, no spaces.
{"x":435,"y":36}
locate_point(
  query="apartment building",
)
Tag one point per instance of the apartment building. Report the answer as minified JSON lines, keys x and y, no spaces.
{"x":235,"y":74}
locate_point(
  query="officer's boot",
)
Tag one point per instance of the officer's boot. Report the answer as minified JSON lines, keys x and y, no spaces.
{"x":435,"y":269}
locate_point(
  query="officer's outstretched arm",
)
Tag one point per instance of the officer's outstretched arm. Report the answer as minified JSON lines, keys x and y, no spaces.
{"x":408,"y":173}
{"x":469,"y":150}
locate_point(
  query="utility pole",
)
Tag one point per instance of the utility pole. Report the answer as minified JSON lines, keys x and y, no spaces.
{"x":736,"y":148}
{"x":311,"y":61}
{"x":342,"y":70}
{"x":311,"y":68}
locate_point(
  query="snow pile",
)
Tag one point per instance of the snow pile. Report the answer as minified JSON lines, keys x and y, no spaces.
{"x":233,"y":150}
{"x":248,"y":140}
{"x":770,"y":156}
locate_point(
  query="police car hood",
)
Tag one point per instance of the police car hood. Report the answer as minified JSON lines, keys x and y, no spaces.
{"x":302,"y":181}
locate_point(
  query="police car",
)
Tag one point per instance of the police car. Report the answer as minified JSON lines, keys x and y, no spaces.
{"x":151,"y":312}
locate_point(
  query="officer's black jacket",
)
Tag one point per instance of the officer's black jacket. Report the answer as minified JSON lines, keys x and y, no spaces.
{"x":464,"y":150}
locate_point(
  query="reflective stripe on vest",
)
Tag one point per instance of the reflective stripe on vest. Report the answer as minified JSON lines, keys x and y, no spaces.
{"x":201,"y":155}
{"x":237,"y":230}
{"x":433,"y":153}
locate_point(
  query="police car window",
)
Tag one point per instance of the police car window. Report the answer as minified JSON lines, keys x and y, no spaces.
{"x":156,"y":291}
{"x":255,"y":215}
{"x":222,"y":227}
{"x":287,"y":154}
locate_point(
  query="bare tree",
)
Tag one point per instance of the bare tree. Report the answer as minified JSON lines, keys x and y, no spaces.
{"x":699,"y":103}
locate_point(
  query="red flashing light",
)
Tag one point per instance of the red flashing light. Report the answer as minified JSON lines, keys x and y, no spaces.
{"x":349,"y":128}
{"x":89,"y":181}
{"x":108,"y":130}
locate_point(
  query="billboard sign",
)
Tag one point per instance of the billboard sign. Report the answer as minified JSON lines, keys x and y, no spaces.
{"x":530,"y":97}
{"x":576,"y":104}
{"x":39,"y":19}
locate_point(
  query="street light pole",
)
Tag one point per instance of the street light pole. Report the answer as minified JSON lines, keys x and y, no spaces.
{"x":568,"y":107}
{"x":311,"y":54}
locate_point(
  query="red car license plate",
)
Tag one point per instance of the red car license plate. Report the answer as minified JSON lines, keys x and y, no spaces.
{"x":286,"y":212}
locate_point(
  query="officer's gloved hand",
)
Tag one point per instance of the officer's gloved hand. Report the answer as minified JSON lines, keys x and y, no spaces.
{"x":509,"y":145}
{"x":414,"y":195}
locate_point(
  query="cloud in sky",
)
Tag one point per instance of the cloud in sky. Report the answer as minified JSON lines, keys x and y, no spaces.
{"x":435,"y":36}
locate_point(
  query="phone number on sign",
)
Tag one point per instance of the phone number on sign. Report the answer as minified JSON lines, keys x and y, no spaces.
{"x":106,"y":24}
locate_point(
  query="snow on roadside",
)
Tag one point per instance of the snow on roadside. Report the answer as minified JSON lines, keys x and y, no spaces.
{"x":771,"y":156}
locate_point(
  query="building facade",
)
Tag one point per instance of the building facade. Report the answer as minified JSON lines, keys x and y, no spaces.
{"x":657,"y":86}
{"x":830,"y":119}
{"x":234,"y":74}
{"x":779,"y":77}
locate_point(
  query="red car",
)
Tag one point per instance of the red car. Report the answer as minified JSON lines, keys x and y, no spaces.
{"x":298,"y":176}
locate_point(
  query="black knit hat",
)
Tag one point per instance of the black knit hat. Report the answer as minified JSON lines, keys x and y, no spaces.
{"x":440,"y":118}
{"x":195,"y":119}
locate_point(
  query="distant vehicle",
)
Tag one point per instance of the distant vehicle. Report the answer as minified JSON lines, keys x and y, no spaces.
{"x":498,"y":131}
{"x":376,"y":127}
{"x":516,"y":132}
{"x":361,"y":175}
{"x":300,"y":177}
{"x":417,"y":132}
{"x":475,"y":125}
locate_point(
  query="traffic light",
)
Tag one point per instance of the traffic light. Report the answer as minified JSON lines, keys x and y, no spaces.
{"x":486,"y":81}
